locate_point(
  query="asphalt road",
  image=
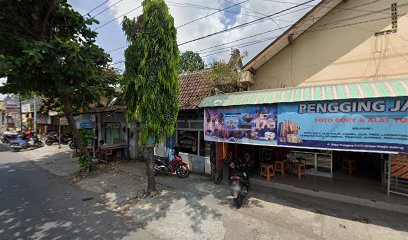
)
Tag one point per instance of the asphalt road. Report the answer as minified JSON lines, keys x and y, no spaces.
{"x":37,"y":205}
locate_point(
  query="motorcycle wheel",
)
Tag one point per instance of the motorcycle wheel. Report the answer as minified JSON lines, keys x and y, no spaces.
{"x":71,"y":145}
{"x":182,"y":171}
{"x":238,"y":201}
{"x":49,"y":142}
{"x":40,"y":144}
{"x":15,"y":149}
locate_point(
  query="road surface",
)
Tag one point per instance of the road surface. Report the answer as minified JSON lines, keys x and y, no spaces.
{"x":37,"y":205}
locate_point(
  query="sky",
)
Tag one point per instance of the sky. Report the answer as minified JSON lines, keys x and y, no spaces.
{"x":252,"y":38}
{"x":218,"y":47}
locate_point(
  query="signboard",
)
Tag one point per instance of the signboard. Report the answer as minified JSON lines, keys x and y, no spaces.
{"x":361,"y":124}
{"x":254,"y":124}
{"x":25,"y":108}
{"x":12,"y":103}
{"x":188,"y":141}
{"x":84,"y":121}
{"x":378,"y":124}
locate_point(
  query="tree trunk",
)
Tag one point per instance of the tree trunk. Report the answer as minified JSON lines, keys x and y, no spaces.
{"x":151,"y":181}
{"x":69,"y":114}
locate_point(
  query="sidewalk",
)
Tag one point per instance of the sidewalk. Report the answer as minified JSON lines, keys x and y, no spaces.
{"x":195,"y":208}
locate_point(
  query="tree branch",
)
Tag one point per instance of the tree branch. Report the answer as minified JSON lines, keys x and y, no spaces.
{"x":46,"y":19}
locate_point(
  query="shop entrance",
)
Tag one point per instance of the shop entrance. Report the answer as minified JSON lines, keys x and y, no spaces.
{"x":349,"y":173}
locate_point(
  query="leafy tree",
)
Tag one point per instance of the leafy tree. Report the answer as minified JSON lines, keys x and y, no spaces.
{"x":47,"y":48}
{"x":225,"y":76}
{"x":190,"y":61}
{"x":150,"y":80}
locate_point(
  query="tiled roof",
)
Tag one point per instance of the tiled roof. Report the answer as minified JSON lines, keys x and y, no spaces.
{"x":193,"y":89}
{"x":113,"y":108}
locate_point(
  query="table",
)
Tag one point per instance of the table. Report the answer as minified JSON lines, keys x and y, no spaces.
{"x":107,"y":149}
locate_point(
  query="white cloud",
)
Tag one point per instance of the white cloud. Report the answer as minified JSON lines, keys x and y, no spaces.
{"x":214,"y":23}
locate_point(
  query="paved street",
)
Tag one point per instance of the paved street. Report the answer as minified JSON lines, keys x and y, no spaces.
{"x":37,"y":205}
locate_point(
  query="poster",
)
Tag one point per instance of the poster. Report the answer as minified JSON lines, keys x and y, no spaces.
{"x":359,"y":124}
{"x":188,"y":141}
{"x":255,"y":124}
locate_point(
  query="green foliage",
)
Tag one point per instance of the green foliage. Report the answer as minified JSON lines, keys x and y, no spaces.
{"x":226,"y":76}
{"x":150,"y":81}
{"x":87,"y":135}
{"x":84,"y":161}
{"x":190,"y":61}
{"x":47,"y":48}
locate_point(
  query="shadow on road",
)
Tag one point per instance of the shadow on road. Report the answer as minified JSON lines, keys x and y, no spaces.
{"x":37,"y":205}
{"x":194,"y":203}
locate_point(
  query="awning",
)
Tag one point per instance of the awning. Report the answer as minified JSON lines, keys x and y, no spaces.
{"x":370,"y":89}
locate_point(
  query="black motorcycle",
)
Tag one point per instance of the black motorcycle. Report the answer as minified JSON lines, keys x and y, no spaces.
{"x":239,"y":181}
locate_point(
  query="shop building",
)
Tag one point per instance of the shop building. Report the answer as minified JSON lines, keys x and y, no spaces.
{"x":322,"y":101}
{"x":189,"y":134}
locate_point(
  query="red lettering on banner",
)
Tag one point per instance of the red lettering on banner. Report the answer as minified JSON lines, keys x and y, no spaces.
{"x":323,"y":120}
{"x":379,"y":120}
{"x":345,"y":120}
{"x":401,"y":120}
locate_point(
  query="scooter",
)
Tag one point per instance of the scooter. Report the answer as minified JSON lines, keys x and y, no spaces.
{"x":239,"y":182}
{"x":21,"y":143}
{"x":176,"y":166}
{"x":51,"y":139}
{"x":8,"y":136}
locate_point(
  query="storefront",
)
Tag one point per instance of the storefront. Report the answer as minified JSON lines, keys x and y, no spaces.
{"x":335,"y":131}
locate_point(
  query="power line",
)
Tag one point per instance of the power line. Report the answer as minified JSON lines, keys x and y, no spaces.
{"x":244,"y":24}
{"x":103,"y":25}
{"x":93,"y":9}
{"x":273,"y":20}
{"x":197,"y":19}
{"x":201,"y":50}
{"x":106,"y":9}
{"x":280,"y":15}
{"x":350,"y":9}
{"x":342,"y":20}
{"x":222,"y":50}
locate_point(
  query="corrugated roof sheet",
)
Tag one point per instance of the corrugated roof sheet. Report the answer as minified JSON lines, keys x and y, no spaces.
{"x":370,"y":89}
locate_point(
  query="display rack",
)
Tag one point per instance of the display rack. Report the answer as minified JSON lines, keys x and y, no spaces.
{"x":320,"y":164}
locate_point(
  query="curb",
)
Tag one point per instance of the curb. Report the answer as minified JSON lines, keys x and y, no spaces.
{"x":334,"y":196}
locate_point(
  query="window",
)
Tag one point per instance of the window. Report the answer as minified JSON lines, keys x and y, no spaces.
{"x":190,"y":137}
{"x":188,"y":141}
{"x":112,"y":131}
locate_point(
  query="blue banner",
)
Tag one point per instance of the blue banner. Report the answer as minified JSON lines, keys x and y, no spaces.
{"x":359,"y":124}
{"x":365,"y":124}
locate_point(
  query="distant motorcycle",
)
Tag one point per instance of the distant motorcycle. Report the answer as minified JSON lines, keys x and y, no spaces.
{"x":22,"y":143}
{"x":239,"y":181}
{"x":176,"y":166}
{"x":51,"y":139}
{"x":7,"y":136}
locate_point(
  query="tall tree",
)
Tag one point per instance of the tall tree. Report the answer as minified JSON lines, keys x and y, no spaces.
{"x":48,"y":48}
{"x":190,"y":61}
{"x":150,"y":79}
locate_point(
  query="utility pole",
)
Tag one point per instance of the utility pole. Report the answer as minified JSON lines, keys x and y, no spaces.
{"x":35,"y":114}
{"x":21,"y":114}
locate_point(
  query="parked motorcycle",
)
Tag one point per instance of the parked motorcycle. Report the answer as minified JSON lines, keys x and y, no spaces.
{"x":239,"y":181}
{"x":176,"y":166}
{"x":51,"y":139}
{"x":7,"y":136}
{"x":22,"y":143}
